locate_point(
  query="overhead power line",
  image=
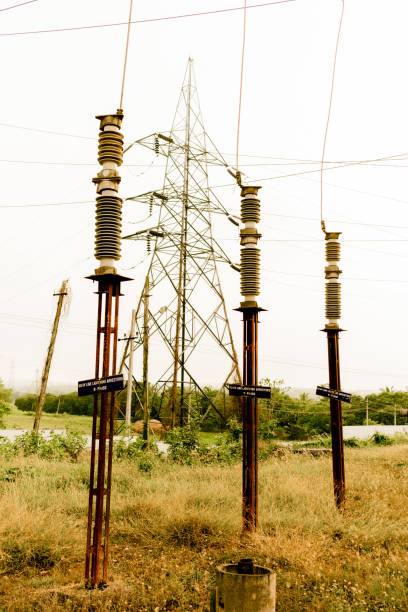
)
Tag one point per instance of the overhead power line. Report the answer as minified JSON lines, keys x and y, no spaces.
{"x":149,"y":20}
{"x":45,"y":204}
{"x":29,"y":129}
{"x":7,"y":8}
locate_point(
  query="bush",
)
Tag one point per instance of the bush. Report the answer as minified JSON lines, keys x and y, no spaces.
{"x":296,"y":432}
{"x":225,"y":451}
{"x":57,"y":446}
{"x":146,"y":463}
{"x":7,"y":448}
{"x":136,"y":451}
{"x":184,"y":443}
{"x":18,"y":556}
{"x":381,"y":439}
{"x":266,"y":430}
{"x":234,"y":428}
{"x":352,"y":443}
{"x":4,"y":409}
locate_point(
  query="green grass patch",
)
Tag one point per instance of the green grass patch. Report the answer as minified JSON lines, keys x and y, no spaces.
{"x":17,"y":419}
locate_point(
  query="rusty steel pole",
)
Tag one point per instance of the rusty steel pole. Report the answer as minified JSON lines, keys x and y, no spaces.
{"x":107,"y":250}
{"x":250,"y":422}
{"x":332,"y":330}
{"x":250,"y":289}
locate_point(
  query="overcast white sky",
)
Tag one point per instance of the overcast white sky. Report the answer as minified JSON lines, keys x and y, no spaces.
{"x":59,"y":81}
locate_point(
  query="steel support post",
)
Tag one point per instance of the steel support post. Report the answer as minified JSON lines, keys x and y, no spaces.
{"x":250,"y":421}
{"x":336,"y":418}
{"x":97,"y":543}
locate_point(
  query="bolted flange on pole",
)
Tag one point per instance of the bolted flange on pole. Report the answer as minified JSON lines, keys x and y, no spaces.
{"x":332,"y":329}
{"x":250,"y":289}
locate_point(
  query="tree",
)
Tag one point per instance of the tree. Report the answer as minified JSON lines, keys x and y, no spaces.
{"x":6,"y":398}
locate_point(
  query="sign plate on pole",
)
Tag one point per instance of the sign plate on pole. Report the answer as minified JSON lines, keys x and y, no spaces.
{"x":99,"y":385}
{"x":332,"y":394}
{"x":247,"y":391}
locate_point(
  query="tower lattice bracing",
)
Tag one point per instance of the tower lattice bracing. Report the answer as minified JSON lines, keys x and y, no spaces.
{"x":184,"y":261}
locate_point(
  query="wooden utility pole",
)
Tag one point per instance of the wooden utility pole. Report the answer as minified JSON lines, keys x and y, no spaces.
{"x":146,"y":412}
{"x":366,"y":410}
{"x":130,"y":371}
{"x":44,"y":379}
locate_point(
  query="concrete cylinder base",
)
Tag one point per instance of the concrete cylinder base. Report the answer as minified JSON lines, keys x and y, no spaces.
{"x":244,"y":588}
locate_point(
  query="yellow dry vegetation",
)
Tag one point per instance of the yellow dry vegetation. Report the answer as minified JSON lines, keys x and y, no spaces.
{"x":172,"y":525}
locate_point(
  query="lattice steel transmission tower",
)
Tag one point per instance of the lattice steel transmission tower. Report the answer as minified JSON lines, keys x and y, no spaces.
{"x":184,"y":258}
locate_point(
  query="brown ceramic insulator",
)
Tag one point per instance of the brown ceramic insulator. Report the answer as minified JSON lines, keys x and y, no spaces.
{"x":108,"y":227}
{"x":110,"y":147}
{"x":333,"y":300}
{"x":250,"y":209}
{"x":250,"y":271}
{"x":332,"y":251}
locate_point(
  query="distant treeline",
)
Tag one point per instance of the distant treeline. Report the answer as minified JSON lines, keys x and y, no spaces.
{"x":281,"y":416}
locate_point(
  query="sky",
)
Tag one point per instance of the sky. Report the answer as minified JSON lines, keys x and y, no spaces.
{"x":53,"y":85}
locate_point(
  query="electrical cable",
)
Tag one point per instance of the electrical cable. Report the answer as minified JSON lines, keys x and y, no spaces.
{"x":328,"y":117}
{"x":17,"y":5}
{"x":241,"y":85}
{"x":28,"y":129}
{"x":149,"y":20}
{"x":45,"y":204}
{"x":126,"y":54}
{"x":335,"y":167}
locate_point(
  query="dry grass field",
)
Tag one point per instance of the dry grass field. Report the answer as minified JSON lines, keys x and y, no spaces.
{"x":171,"y":526}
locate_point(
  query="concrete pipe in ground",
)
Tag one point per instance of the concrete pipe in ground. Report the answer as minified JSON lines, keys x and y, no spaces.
{"x":244,"y":587}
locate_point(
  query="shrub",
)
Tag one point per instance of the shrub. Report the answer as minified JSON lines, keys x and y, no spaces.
{"x":146,"y":463}
{"x":184,"y":443}
{"x":19,"y":556}
{"x":296,"y":432}
{"x":225,"y":451}
{"x":234,"y":428}
{"x":266,"y":430}
{"x":29,"y":442}
{"x":134,"y":450}
{"x":10,"y":474}
{"x":381,"y":439}
{"x":4,"y":409}
{"x":7,"y":448}
{"x":352,"y":443}
{"x":73,"y":443}
{"x":57,"y":447}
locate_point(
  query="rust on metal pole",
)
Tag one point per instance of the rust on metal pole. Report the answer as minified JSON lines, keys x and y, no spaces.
{"x":96,"y":563}
{"x":250,"y":422}
{"x":250,"y":289}
{"x":107,"y":251}
{"x":336,"y":419}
